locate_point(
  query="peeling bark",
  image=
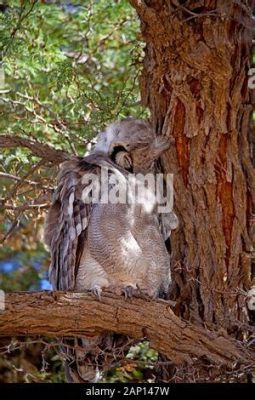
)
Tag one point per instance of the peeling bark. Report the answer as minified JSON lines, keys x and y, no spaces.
{"x":194,"y":82}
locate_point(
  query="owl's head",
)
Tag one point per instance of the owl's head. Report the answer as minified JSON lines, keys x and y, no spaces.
{"x":132,"y":144}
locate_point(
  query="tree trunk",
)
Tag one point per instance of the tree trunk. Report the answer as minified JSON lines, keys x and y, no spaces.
{"x":194,"y":82}
{"x":79,"y":314}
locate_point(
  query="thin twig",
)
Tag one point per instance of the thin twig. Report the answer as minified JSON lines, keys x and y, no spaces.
{"x":24,"y":207}
{"x":18,"y":178}
{"x":18,"y":26}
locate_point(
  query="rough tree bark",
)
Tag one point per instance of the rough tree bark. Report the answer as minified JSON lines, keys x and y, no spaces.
{"x":77,"y":314}
{"x":194,"y":82}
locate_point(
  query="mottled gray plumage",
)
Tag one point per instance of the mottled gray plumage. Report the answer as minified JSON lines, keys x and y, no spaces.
{"x":114,"y":246}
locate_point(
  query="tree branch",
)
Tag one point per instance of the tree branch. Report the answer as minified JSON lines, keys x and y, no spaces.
{"x":39,"y":149}
{"x":77,"y":314}
{"x":19,"y":179}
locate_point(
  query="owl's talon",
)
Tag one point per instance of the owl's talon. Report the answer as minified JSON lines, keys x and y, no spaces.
{"x":130,"y":291}
{"x":96,"y":291}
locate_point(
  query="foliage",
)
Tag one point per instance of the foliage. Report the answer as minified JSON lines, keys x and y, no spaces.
{"x":138,"y":366}
{"x":67,"y":69}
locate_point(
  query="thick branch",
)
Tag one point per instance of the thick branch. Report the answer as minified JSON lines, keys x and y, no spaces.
{"x":39,"y":149}
{"x":75,"y":314}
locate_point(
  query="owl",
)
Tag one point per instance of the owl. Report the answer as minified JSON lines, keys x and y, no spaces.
{"x":105,"y":233}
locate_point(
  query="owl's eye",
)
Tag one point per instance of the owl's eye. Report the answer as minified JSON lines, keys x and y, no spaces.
{"x":121,"y":157}
{"x":115,"y":151}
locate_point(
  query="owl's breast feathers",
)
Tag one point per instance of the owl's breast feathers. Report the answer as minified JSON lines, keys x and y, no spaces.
{"x":98,"y":242}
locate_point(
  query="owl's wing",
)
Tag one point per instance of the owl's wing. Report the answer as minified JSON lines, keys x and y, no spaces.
{"x":68,"y":218}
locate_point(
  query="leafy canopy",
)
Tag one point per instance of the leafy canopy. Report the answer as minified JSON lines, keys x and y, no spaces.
{"x":68,"y":69}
